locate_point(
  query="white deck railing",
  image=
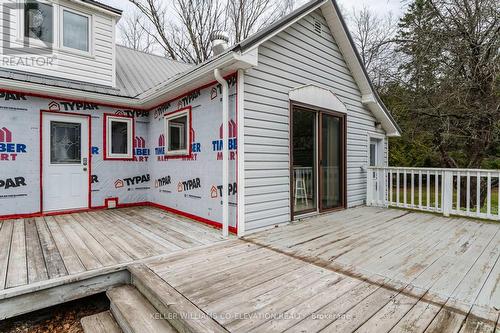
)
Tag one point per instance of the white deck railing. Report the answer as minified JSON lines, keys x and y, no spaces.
{"x":446,"y":191}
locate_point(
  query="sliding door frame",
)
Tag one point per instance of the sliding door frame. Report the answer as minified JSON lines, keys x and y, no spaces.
{"x":319,"y":145}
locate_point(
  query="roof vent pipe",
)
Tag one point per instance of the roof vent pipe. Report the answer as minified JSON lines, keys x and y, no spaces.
{"x":220,"y":40}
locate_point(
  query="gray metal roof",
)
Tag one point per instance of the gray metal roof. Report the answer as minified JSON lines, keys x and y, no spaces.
{"x":136,"y":72}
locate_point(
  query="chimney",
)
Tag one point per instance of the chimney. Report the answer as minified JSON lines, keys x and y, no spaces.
{"x":220,"y":40}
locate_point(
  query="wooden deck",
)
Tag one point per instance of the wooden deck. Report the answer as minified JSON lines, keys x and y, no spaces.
{"x":37,"y":251}
{"x":363,"y":270}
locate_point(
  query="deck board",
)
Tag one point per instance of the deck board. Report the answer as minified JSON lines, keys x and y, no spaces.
{"x":363,"y":270}
{"x":5,"y":238}
{"x":17,"y":272}
{"x":37,"y":270}
{"x":43,"y":249}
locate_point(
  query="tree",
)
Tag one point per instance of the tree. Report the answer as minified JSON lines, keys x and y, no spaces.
{"x":249,"y":16}
{"x":374,"y":39}
{"x":450,"y":69}
{"x":182,"y":28}
{"x":134,"y":33}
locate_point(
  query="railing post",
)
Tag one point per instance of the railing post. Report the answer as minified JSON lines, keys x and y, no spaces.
{"x":369,"y":187}
{"x":447,"y":192}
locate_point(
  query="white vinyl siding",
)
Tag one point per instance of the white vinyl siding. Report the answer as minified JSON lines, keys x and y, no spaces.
{"x":295,"y":57}
{"x":96,"y":68}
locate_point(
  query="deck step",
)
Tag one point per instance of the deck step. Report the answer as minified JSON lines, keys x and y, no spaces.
{"x":180,"y":311}
{"x":134,"y":313}
{"x":100,"y":323}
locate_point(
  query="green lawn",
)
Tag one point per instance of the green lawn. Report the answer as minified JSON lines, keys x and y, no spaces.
{"x":432,"y":197}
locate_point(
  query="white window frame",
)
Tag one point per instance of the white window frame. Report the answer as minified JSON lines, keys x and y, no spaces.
{"x":61,"y":30}
{"x":168,"y":118}
{"x":130,"y":137}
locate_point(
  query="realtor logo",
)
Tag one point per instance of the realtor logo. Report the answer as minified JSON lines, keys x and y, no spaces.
{"x":34,"y":49}
{"x":9,"y":150}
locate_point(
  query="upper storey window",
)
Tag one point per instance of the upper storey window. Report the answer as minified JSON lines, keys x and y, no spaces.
{"x":59,"y":26}
{"x":39,"y":21}
{"x":75,"y":30}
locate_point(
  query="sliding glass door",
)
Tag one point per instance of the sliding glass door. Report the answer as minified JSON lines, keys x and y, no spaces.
{"x":318,"y":161}
{"x":331,"y":171}
{"x":304,"y":152}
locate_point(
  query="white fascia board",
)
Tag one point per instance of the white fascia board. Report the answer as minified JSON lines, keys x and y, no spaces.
{"x":380,"y":114}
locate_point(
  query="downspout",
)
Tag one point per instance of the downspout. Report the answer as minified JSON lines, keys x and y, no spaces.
{"x":225,"y":151}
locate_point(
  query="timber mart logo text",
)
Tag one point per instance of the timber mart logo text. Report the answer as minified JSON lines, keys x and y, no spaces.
{"x":9,"y":150}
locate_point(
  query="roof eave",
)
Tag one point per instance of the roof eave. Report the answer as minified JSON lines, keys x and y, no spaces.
{"x":228,"y":63}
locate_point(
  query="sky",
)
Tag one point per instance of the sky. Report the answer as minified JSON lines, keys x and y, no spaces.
{"x":378,"y":6}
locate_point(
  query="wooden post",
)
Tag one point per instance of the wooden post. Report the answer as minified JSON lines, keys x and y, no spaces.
{"x":447,"y":192}
{"x":369,"y":187}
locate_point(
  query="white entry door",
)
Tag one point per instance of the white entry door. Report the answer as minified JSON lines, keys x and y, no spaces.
{"x":65,"y":162}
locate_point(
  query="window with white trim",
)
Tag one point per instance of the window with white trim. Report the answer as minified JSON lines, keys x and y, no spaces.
{"x":39,"y":21}
{"x":119,"y":136}
{"x":177,"y":133}
{"x":75,"y":30}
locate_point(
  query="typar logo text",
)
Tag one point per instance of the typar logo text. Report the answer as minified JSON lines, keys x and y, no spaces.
{"x":72,"y":106}
{"x":133,"y":181}
{"x":216,"y":190}
{"x":160,"y":184}
{"x":12,"y":96}
{"x":9,"y":150}
{"x":188,"y":185}
{"x":12,"y":183}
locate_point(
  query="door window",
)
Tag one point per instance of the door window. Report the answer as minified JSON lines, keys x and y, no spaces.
{"x":331,"y":161}
{"x":304,"y":161}
{"x":65,"y":143}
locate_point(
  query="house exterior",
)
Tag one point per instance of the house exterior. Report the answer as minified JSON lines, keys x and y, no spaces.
{"x":277,"y":127}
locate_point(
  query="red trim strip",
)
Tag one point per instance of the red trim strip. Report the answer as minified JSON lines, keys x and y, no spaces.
{"x":105,"y":144}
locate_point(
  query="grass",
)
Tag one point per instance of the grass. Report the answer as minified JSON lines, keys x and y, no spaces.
{"x":432,"y":198}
